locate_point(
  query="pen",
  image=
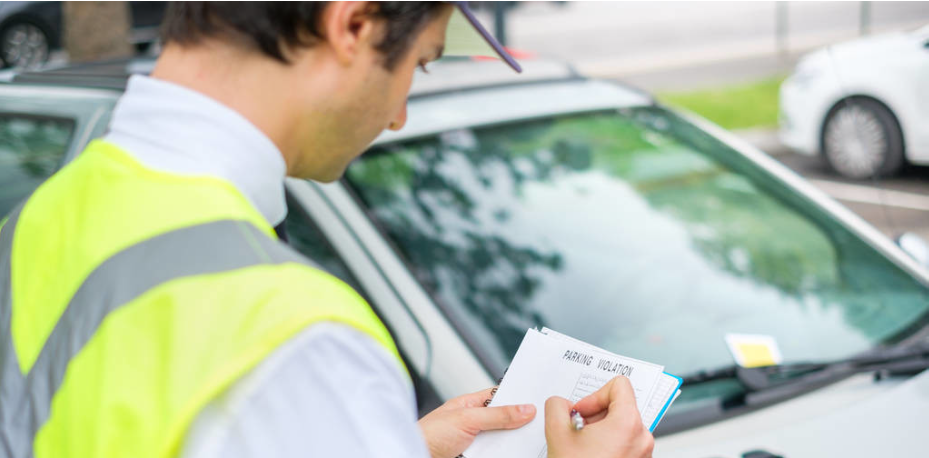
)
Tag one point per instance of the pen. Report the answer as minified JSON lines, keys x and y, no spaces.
{"x":577,"y":420}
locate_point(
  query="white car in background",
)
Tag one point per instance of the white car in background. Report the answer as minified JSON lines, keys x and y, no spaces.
{"x":863,"y":105}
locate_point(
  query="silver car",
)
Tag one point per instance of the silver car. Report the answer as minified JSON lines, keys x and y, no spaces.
{"x":549,"y":199}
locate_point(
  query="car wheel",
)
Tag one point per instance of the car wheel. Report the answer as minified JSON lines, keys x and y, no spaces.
{"x":861,"y":139}
{"x":23,"y":45}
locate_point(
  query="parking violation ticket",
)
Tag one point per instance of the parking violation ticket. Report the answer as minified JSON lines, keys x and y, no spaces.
{"x":547,"y":364}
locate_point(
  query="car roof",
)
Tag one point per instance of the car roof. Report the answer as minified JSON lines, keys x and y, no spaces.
{"x":110,"y":74}
{"x":455,"y":75}
{"x":445,"y":76}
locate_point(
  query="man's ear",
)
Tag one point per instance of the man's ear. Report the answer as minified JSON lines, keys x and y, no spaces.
{"x":349,"y":27}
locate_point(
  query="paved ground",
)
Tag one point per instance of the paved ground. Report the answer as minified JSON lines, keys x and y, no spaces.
{"x":712,"y":74}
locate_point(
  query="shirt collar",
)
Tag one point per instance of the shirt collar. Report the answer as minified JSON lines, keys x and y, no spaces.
{"x":170,"y":128}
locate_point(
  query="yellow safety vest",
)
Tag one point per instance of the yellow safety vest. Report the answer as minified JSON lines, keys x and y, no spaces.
{"x":131,"y":298}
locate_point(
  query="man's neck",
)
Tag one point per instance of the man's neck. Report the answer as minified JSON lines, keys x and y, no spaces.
{"x":244,"y":87}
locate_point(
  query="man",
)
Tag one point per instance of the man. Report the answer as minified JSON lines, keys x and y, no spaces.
{"x":147,"y":306}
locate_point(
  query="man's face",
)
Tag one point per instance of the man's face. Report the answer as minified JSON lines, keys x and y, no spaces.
{"x":369,"y":99}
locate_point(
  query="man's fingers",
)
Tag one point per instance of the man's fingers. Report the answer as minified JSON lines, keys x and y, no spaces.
{"x":557,"y":418}
{"x":595,"y":403}
{"x":616,"y":395}
{"x":622,"y":401}
{"x":503,"y":417}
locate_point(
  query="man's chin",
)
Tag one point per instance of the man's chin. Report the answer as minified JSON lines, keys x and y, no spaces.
{"x":328,"y":171}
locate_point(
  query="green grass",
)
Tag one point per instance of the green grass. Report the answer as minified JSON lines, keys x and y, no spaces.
{"x":743,"y":106}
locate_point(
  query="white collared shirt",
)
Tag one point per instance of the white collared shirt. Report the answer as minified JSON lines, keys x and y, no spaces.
{"x":331,"y":390}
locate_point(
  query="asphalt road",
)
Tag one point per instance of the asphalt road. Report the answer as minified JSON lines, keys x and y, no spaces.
{"x":712,"y":74}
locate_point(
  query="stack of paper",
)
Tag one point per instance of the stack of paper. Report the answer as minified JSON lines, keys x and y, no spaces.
{"x":551,"y":364}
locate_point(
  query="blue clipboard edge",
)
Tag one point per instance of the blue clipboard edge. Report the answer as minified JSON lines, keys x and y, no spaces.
{"x":663,"y":409}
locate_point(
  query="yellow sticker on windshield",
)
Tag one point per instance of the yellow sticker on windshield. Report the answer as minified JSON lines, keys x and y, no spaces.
{"x":753,"y":350}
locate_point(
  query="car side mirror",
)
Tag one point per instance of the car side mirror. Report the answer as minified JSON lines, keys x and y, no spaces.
{"x":915,"y":246}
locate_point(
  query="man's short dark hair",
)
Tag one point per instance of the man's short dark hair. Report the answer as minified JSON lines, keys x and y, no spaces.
{"x":269,"y":26}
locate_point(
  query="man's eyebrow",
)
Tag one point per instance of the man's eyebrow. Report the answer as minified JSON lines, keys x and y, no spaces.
{"x":438,"y":52}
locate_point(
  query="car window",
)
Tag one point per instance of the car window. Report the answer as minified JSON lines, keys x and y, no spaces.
{"x":633,"y":230}
{"x":31,"y":150}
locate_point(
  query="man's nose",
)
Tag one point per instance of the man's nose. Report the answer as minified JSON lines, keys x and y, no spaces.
{"x":399,"y":121}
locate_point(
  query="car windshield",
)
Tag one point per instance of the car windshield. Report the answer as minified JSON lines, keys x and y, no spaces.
{"x":634,"y":230}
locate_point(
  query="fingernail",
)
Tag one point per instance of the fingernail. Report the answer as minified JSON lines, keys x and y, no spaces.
{"x":526,"y":409}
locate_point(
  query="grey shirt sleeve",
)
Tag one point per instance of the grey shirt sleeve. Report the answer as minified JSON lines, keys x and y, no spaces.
{"x":330,"y":391}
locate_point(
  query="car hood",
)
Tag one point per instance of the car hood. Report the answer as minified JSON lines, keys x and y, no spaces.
{"x":858,"y":417}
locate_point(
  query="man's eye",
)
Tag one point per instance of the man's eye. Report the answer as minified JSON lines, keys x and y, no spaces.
{"x":422,"y":66}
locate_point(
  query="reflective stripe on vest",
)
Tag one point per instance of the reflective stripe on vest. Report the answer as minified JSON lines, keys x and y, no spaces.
{"x":154,"y":332}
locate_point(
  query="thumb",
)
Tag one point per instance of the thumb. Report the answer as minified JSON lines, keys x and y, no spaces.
{"x":557,"y":418}
{"x":503,"y":417}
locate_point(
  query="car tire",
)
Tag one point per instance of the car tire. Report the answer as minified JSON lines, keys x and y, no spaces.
{"x":23,"y":44}
{"x":862,"y":139}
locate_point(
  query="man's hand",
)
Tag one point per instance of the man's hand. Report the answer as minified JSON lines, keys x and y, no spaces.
{"x":451,"y":428}
{"x":614,"y":428}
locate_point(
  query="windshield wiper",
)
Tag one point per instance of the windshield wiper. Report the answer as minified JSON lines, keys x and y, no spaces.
{"x":763,"y":386}
{"x":891,"y":361}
